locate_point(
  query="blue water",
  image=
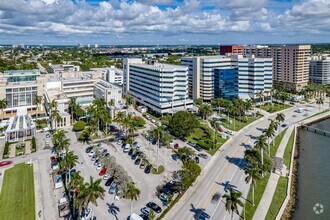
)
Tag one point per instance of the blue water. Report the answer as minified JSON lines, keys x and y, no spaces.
{"x":314,"y":174}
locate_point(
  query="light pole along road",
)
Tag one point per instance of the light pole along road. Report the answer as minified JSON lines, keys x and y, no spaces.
{"x":227,"y":167}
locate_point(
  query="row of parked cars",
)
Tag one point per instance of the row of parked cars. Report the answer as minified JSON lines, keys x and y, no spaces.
{"x":109,"y":181}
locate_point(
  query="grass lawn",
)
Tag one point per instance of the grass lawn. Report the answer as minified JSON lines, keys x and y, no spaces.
{"x":275,"y":108}
{"x":278,"y":140}
{"x":238,"y":125}
{"x":324,"y":111}
{"x":278,"y":199}
{"x":204,"y":136}
{"x":288,"y":150}
{"x":258,"y":192}
{"x":17,"y":193}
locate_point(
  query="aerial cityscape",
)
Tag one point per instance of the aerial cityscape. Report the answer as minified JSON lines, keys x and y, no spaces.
{"x":164,"y":109}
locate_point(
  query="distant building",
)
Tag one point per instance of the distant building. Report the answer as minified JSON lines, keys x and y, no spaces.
{"x":60,"y":68}
{"x":19,"y":88}
{"x":231,"y":49}
{"x":162,"y":88}
{"x":319,"y":69}
{"x":110,"y":74}
{"x":290,"y":63}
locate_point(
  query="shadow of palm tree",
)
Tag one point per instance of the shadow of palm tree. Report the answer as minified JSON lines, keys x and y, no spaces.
{"x":239,"y":162}
{"x":113,"y":209}
{"x":199,"y":214}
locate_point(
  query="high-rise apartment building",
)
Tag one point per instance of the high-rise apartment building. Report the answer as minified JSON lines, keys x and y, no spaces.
{"x":319,"y":69}
{"x":163,"y":88}
{"x":232,"y":49}
{"x":290,"y":63}
{"x":201,"y":73}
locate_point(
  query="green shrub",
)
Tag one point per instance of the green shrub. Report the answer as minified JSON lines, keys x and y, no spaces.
{"x":6,"y":150}
{"x":161,"y":169}
{"x":33,"y":145}
{"x":206,"y":145}
{"x":79,"y":126}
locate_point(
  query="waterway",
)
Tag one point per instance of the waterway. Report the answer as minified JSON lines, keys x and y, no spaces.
{"x":314,"y":175}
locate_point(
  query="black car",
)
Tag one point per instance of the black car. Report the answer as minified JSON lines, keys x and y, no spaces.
{"x":198,"y":148}
{"x":183,"y":139}
{"x":203,"y":156}
{"x":137,"y":161}
{"x":167,"y":191}
{"x":147,"y":169}
{"x":154,"y":207}
{"x":197,"y":159}
{"x":134,"y":156}
{"x":140,"y":153}
{"x":215,"y":198}
{"x":284,"y":125}
{"x":145,"y":217}
{"x":109,"y":181}
{"x":130,"y":152}
{"x":106,"y":155}
{"x":104,"y":151}
{"x":88,"y":149}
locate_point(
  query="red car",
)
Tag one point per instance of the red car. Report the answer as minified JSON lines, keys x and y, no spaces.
{"x":5,"y":163}
{"x":102,"y":172}
{"x":176,"y":146}
{"x":52,"y":159}
{"x":220,"y":130}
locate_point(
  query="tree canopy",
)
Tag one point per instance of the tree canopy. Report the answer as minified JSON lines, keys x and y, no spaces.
{"x":183,"y":123}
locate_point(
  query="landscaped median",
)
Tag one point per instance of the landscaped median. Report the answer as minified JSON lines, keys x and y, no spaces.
{"x":274,"y":108}
{"x":238,"y":124}
{"x":17,"y":194}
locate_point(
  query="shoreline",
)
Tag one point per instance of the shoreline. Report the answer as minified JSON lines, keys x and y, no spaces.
{"x":292,"y":203}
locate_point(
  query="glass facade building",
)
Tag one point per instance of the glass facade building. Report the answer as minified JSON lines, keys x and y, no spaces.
{"x":226,"y":83}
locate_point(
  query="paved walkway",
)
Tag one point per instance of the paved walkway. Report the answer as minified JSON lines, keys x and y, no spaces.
{"x":267,"y":197}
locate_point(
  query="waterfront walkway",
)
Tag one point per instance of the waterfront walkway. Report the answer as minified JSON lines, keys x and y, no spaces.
{"x":267,"y":197}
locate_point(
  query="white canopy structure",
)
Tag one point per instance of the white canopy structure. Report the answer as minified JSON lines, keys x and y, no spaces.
{"x":21,"y":126}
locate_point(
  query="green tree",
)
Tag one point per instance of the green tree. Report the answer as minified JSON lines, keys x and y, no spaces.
{"x":198,"y":101}
{"x":233,"y":201}
{"x":72,"y":106}
{"x":186,"y":152}
{"x":320,"y":102}
{"x":260,"y":144}
{"x":132,"y":193}
{"x":183,"y":124}
{"x":269,"y":133}
{"x":253,"y":175}
{"x":129,"y":101}
{"x":3,"y":104}
{"x":205,"y":111}
{"x":79,"y":126}
{"x":37,"y":101}
{"x":152,"y":214}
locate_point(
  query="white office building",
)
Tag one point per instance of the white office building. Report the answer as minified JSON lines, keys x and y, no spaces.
{"x":162,"y":88}
{"x":108,"y":91}
{"x":319,"y":69}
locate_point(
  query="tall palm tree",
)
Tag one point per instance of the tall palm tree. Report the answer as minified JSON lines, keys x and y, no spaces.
{"x":3,"y":104}
{"x":253,"y":175}
{"x":261,"y":96}
{"x":119,"y":118}
{"x":269,"y":132}
{"x":205,"y":110}
{"x":132,"y":193}
{"x":72,"y":105}
{"x":233,"y":201}
{"x":70,"y":160}
{"x":158,"y":133}
{"x":260,"y":144}
{"x":129,"y":101}
{"x":37,"y":101}
{"x":280,"y":117}
{"x":275,"y":125}
{"x":320,"y":102}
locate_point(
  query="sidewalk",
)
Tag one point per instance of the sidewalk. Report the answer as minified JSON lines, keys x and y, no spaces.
{"x":267,"y":197}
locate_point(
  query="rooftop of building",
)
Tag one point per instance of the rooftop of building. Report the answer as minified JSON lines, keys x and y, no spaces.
{"x":76,"y":79}
{"x":9,"y":73}
{"x":159,"y":66}
{"x":108,"y":85}
{"x":207,"y":57}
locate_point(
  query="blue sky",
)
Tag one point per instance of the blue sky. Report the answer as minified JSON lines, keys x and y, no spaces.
{"x":164,"y":21}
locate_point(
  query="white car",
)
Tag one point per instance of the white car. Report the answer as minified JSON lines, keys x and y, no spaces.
{"x":99,"y":167}
{"x":229,"y":132}
{"x":106,"y":176}
{"x":91,"y":153}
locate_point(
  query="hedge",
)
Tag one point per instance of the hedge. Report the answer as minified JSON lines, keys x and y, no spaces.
{"x":79,"y":126}
{"x":33,"y":145}
{"x":6,"y":150}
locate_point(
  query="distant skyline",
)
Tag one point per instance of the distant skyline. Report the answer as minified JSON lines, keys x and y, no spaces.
{"x":164,"y":22}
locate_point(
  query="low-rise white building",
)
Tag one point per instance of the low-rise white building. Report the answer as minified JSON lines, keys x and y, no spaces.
{"x":60,"y":68}
{"x":108,"y":91}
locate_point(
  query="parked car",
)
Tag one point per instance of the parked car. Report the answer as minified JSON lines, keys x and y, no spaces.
{"x":166,"y":190}
{"x":52,"y":159}
{"x":145,"y":210}
{"x":94,"y":158}
{"x":47,"y":135}
{"x":229,"y":132}
{"x":135,"y":143}
{"x":91,"y":153}
{"x":99,"y":167}
{"x":154,"y":207}
{"x":203,"y":156}
{"x":109,"y":181}
{"x":5,"y":163}
{"x":113,"y":188}
{"x":284,"y":125}
{"x":176,"y":146}
{"x":106,"y":176}
{"x":102,"y":172}
{"x":197,"y":159}
{"x":134,"y":156}
{"x":145,"y":217}
{"x":192,"y":144}
{"x":183,"y":139}
{"x":163,"y":197}
{"x":107,"y":155}
{"x":198,"y":148}
{"x":88,"y":149}
{"x":127,"y":148}
{"x":142,"y":165}
{"x":130,"y":152}
{"x":147,"y":169}
{"x":137,"y":161}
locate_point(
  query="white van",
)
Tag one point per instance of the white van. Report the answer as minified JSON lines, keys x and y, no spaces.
{"x":300,"y":110}
{"x":127,"y":148}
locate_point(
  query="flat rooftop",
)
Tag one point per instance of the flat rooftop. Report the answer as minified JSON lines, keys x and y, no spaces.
{"x":9,"y":73}
{"x":160,"y":66}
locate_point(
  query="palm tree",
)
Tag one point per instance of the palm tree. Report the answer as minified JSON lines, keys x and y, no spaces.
{"x":205,"y":110}
{"x":129,"y":101}
{"x":37,"y":101}
{"x":133,"y":193}
{"x":260,"y":144}
{"x":320,"y":102}
{"x":269,"y":132}
{"x":261,"y":96}
{"x":158,"y":133}
{"x":274,"y":124}
{"x":252,"y":156}
{"x":253,"y":175}
{"x":280,"y":117}
{"x":3,"y":104}
{"x":119,"y":118}
{"x":232,"y":201}
{"x":111,"y":103}
{"x":70,"y":160}
{"x":72,"y":105}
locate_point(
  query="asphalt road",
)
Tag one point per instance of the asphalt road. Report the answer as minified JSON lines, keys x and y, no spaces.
{"x":220,"y":172}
